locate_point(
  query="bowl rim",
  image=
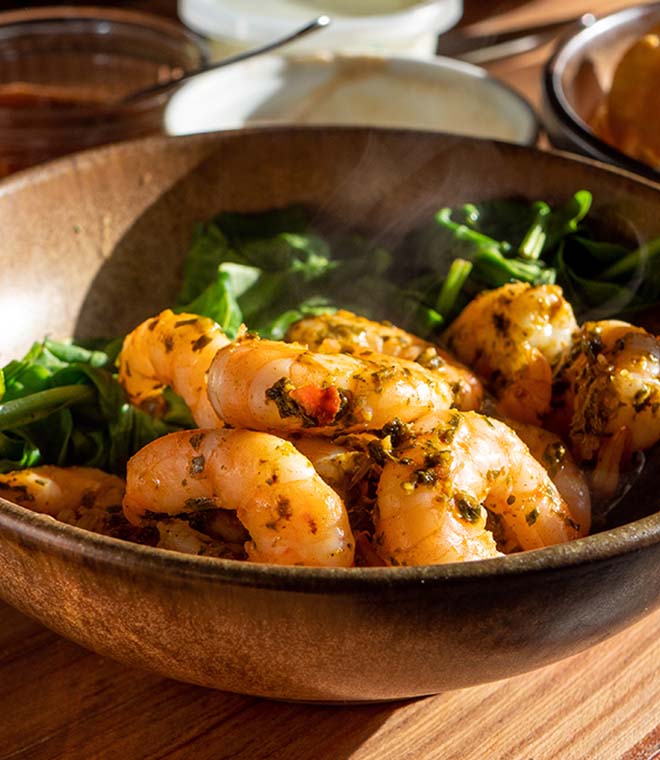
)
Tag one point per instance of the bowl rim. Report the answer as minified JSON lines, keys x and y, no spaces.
{"x":32,"y":528}
{"x":559,"y":104}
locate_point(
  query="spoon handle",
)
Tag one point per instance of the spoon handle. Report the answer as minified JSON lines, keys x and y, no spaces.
{"x":318,"y":23}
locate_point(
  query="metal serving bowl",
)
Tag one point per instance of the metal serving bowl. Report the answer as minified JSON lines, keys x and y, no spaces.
{"x":93,"y":243}
{"x":578,"y":75}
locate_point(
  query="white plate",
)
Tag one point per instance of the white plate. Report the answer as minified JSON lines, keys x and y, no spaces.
{"x":440,"y":95}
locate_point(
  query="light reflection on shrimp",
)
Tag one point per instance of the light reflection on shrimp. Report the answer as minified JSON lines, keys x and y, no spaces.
{"x":550,"y":451}
{"x":607,"y":397}
{"x":511,"y":337}
{"x":91,"y":499}
{"x":172,"y":350}
{"x":85,"y":497}
{"x":284,"y":388}
{"x":433,"y":504}
{"x":345,"y":332}
{"x":292,"y":516}
{"x":53,"y":490}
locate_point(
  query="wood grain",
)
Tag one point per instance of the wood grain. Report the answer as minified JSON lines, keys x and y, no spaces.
{"x":58,"y":701}
{"x":62,"y":702}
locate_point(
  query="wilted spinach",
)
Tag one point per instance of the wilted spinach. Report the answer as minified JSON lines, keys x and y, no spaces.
{"x":62,"y":403}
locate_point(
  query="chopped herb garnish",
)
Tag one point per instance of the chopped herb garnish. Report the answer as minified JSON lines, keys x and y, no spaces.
{"x":532,"y":517}
{"x":62,"y":403}
{"x":468,"y":509}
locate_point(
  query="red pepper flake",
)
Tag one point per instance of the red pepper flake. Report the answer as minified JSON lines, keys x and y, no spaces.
{"x":322,"y":404}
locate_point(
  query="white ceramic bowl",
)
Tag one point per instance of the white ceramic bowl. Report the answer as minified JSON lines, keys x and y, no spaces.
{"x":402,"y":27}
{"x":436,"y":95}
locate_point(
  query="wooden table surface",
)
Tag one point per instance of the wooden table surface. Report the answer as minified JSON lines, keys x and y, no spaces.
{"x":60,"y":701}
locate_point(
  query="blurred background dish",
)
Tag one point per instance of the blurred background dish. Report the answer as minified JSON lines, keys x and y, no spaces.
{"x":382,"y":26}
{"x":63,"y":69}
{"x":440,"y":95}
{"x":582,"y":110}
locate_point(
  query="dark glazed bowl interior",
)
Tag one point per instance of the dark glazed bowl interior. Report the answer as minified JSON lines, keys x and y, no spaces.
{"x":93,"y":244}
{"x":579,"y":74}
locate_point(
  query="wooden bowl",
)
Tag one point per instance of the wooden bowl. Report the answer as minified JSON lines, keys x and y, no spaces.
{"x":93,"y":243}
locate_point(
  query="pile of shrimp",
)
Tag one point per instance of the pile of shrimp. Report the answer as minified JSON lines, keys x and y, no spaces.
{"x":353,"y":442}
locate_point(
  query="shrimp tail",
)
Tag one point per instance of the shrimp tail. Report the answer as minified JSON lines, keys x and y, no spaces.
{"x":610,"y":461}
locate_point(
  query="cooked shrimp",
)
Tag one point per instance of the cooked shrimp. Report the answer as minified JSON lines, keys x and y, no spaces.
{"x":284,"y":388}
{"x":607,"y":394}
{"x":179,"y":535}
{"x":434,"y":503}
{"x":292,"y":516}
{"x":549,"y":450}
{"x":511,"y":337}
{"x":345,"y":332}
{"x":341,"y":466}
{"x":172,"y":350}
{"x":629,"y":116}
{"x":351,"y":465}
{"x":54,"y":490}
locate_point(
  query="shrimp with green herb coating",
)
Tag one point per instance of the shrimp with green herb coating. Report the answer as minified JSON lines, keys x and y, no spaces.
{"x":172,"y":350}
{"x":284,"y":388}
{"x":344,"y":465}
{"x":351,"y":465}
{"x":55,"y":491}
{"x":607,"y":397}
{"x":345,"y":332}
{"x":511,"y":337}
{"x":291,"y":515}
{"x":466,"y":491}
{"x":549,"y":450}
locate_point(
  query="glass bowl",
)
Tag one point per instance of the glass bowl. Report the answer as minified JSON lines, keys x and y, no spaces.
{"x":65,"y":70}
{"x":579,"y":74}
